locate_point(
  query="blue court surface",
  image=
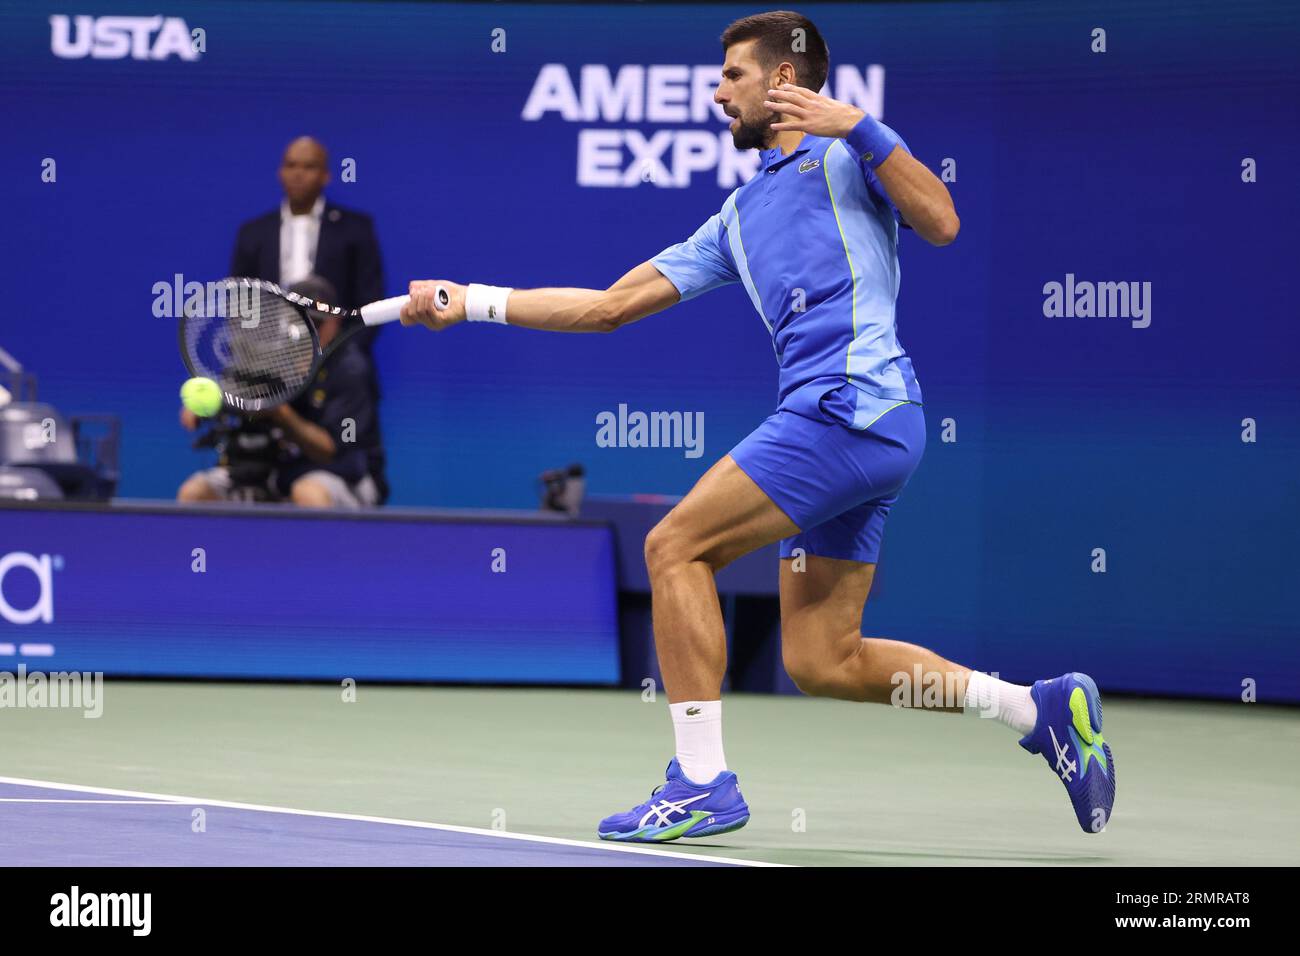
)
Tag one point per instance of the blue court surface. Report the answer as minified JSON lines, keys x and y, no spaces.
{"x":60,"y":825}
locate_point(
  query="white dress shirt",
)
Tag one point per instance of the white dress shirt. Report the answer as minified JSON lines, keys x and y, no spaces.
{"x":298,"y":238}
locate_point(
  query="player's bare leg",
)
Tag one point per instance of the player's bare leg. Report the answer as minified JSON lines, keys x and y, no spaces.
{"x":827,"y":656}
{"x":822,"y":644}
{"x":723,"y":517}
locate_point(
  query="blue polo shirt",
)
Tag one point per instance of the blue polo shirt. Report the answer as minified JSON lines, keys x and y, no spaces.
{"x":813,"y":237}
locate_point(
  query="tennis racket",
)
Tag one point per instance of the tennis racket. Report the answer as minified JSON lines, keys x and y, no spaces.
{"x":259,"y":343}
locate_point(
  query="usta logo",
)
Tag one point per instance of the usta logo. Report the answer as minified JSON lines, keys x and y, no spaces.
{"x":115,"y":38}
{"x":42,"y":567}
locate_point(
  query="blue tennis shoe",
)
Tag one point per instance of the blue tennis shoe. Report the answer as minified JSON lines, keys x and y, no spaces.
{"x":1068,"y":735}
{"x":679,"y":807}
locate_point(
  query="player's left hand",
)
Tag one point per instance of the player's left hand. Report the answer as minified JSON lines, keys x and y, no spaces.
{"x":421,"y":310}
{"x":811,"y":113}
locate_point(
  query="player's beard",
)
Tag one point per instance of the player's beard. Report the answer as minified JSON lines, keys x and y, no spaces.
{"x":753,"y":134}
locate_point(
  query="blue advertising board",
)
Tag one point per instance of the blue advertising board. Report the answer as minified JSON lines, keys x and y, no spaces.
{"x":168,"y":592}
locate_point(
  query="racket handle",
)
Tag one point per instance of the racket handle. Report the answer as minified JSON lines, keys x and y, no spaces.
{"x":385,"y":310}
{"x":389,"y":310}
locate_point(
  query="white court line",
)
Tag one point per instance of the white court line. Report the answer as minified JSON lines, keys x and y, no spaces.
{"x":129,"y":803}
{"x":167,"y":798}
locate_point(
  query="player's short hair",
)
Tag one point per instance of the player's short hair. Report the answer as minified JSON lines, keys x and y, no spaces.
{"x":779,"y":41}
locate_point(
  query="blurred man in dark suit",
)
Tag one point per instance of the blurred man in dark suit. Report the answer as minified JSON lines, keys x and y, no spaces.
{"x":309,"y":235}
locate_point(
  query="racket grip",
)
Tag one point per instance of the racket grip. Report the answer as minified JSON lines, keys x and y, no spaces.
{"x":385,"y":310}
{"x":389,"y":310}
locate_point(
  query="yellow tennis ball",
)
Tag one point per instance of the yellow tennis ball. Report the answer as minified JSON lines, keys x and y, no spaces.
{"x":202,"y":396}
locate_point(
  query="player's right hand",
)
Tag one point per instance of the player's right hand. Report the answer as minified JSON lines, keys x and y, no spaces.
{"x":189,"y":421}
{"x":421,"y":310}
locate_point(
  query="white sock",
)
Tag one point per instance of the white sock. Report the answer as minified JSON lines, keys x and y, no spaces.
{"x":1010,"y":703}
{"x":698,"y":726}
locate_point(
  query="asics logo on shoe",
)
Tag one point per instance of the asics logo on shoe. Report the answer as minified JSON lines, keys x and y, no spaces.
{"x":663,"y":808}
{"x":1064,"y":765}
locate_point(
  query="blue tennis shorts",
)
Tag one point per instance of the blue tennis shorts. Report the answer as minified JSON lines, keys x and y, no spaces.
{"x":835,"y":482}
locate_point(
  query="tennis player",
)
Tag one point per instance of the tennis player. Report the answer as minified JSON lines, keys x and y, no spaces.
{"x":813,"y":237}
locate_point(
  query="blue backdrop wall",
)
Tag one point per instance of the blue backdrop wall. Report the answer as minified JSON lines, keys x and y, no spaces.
{"x":1071,"y":433}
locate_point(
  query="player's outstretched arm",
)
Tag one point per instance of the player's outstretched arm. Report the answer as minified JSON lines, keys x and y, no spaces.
{"x":921,"y":198}
{"x":641,"y":292}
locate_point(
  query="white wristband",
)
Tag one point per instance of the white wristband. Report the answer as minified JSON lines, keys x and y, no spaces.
{"x":486,"y":303}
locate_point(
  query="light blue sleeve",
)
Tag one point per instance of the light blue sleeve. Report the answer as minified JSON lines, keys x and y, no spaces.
{"x":701,"y":263}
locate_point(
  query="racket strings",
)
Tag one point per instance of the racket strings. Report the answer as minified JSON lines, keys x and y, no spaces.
{"x":258,"y":347}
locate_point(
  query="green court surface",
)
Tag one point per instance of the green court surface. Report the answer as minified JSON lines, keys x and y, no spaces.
{"x":829,"y":783}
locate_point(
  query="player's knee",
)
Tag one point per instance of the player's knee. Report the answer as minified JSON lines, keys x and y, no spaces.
{"x":309,"y":494}
{"x":808,"y":672}
{"x":658,"y":548}
{"x":822,"y":667}
{"x":666,"y":546}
